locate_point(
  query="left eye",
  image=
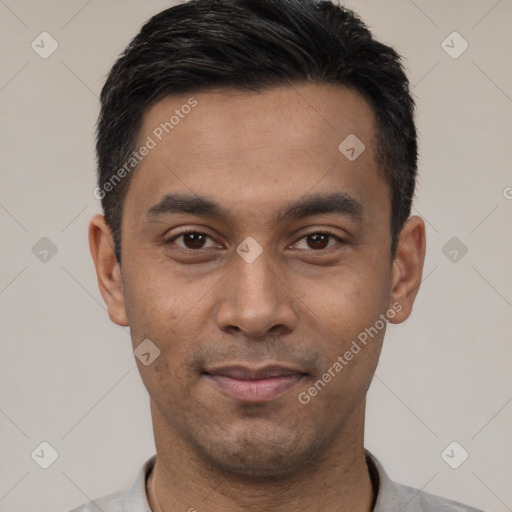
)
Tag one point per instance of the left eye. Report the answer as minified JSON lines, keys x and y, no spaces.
{"x":192,"y":240}
{"x":318,"y":241}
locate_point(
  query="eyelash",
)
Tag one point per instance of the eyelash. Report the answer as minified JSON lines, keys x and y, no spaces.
{"x":188,"y":231}
{"x":195,"y":231}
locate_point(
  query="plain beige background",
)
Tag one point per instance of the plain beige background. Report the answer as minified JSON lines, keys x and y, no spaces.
{"x":68,"y":375}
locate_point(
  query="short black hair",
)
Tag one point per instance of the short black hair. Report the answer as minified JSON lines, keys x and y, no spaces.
{"x":253,"y":45}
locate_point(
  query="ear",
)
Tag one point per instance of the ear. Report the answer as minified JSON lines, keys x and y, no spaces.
{"x":108,"y":270}
{"x":407,"y":268}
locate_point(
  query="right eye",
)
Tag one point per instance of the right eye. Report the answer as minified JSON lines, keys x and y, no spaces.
{"x":191,"y":240}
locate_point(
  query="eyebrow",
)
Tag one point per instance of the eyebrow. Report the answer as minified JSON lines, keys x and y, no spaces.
{"x":335,"y":203}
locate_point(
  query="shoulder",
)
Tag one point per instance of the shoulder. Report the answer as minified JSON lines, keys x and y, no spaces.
{"x":132,"y":499}
{"x":415,"y":500}
{"x":111,"y":503}
{"x":395,"y":497}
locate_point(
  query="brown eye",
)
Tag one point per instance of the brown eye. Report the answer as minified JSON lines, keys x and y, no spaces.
{"x":192,"y":240}
{"x":318,"y":240}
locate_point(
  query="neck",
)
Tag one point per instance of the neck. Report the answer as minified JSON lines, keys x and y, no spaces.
{"x":183,"y":480}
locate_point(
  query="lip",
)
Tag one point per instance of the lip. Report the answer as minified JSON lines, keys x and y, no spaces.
{"x":254,"y":385}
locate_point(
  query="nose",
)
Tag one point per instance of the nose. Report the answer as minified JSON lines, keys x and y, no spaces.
{"x":256,"y":300}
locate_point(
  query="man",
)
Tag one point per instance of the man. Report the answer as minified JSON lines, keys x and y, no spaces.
{"x":257,"y":164}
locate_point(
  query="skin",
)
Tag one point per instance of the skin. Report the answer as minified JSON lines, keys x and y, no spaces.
{"x":300,"y":303}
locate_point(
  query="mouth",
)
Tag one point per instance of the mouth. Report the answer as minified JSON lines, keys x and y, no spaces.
{"x":254,"y":385}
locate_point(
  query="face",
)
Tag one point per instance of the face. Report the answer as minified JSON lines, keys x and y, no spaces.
{"x":255,"y":254}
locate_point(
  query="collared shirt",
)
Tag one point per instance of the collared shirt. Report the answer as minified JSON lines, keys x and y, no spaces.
{"x":391,"y":497}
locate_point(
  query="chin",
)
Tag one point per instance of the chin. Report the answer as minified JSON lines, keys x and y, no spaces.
{"x":262,"y":456}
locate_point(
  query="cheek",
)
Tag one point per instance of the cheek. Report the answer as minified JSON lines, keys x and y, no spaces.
{"x":170,"y":313}
{"x":347,"y":301}
{"x":347,"y":308}
{"x":155,"y":303}
{"x":169,"y":390}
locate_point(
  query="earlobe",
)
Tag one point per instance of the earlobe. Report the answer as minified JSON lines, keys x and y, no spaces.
{"x":108,"y":271}
{"x":408,"y":267}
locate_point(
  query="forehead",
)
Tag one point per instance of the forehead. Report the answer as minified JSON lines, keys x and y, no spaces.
{"x":309,"y":112}
{"x":254,"y":149}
